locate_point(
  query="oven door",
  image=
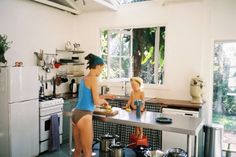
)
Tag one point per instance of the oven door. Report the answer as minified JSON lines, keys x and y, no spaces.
{"x":45,"y":125}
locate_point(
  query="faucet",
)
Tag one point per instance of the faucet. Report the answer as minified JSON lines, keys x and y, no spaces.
{"x":125,"y":88}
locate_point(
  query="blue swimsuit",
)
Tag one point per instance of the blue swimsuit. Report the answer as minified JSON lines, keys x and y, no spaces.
{"x":85,"y":103}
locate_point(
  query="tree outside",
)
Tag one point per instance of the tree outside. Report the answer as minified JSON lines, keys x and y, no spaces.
{"x":148,"y":49}
{"x":224,"y":90}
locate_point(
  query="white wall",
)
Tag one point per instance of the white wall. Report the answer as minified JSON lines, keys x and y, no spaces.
{"x":32,"y":26}
{"x":183,"y":40}
{"x":191,"y":30}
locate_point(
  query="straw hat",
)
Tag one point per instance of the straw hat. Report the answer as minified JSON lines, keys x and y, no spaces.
{"x":137,"y":79}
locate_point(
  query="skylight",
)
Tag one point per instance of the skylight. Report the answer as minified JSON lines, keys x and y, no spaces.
{"x":130,"y":1}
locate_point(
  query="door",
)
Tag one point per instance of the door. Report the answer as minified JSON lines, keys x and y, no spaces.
{"x":23,"y":83}
{"x":4,"y":118}
{"x":24,"y":128}
{"x":224,"y":90}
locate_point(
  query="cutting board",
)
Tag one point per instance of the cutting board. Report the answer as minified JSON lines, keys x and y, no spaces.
{"x":105,"y":112}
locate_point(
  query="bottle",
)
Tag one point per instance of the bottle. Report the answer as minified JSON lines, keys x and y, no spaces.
{"x":72,"y":86}
{"x":138,"y":104}
{"x":74,"y":90}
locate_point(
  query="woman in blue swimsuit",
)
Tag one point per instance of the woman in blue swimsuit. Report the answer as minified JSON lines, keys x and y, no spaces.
{"x":88,"y":99}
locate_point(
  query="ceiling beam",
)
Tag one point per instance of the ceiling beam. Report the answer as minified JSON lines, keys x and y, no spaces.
{"x":59,"y":6}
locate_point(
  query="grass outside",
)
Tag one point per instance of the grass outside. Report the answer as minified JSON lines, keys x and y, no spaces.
{"x":228,"y":121}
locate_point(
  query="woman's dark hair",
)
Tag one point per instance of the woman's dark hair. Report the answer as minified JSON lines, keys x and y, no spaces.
{"x":93,"y":61}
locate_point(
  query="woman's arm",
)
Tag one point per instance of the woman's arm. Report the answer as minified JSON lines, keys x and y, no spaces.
{"x":97,"y":101}
{"x":107,"y":96}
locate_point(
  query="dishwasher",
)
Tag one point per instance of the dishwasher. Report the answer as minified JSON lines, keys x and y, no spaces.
{"x":176,"y":140}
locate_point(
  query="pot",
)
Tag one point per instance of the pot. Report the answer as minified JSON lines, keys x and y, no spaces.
{"x":154,"y":153}
{"x":141,"y":150}
{"x":117,"y":150}
{"x":106,"y":141}
{"x":176,"y":152}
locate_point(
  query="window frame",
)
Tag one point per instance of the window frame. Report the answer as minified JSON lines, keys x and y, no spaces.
{"x":156,"y":86}
{"x":109,"y":56}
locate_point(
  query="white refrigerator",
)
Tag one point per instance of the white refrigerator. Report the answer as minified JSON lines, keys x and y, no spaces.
{"x":19,"y":112}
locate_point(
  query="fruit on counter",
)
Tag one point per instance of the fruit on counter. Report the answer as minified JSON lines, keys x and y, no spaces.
{"x":128,"y":109}
{"x":107,"y":107}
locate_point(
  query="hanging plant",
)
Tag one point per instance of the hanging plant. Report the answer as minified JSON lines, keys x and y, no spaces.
{"x":4,"y":46}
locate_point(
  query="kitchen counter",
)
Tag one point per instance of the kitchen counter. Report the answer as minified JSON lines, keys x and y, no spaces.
{"x":180,"y":124}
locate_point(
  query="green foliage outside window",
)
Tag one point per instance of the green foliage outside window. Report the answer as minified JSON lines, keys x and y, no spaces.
{"x":148,"y":63}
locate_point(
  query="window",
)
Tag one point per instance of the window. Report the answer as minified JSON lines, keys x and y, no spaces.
{"x":130,"y":1}
{"x":224,"y":90}
{"x":134,"y":52}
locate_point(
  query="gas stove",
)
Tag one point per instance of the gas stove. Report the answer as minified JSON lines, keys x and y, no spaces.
{"x":49,"y":105}
{"x":49,"y":101}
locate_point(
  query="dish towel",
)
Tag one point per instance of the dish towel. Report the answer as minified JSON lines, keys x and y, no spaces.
{"x":54,"y":136}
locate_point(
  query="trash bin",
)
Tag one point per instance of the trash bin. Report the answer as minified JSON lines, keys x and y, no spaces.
{"x":213,"y":140}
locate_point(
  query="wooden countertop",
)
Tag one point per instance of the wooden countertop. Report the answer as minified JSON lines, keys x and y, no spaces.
{"x":174,"y":103}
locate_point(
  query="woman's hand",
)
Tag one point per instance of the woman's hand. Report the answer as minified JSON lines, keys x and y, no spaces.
{"x":124,"y":107}
{"x":105,"y":103}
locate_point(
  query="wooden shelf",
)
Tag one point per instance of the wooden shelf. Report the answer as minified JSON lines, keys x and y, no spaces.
{"x":66,"y":51}
{"x":72,"y":63}
{"x":67,"y":75}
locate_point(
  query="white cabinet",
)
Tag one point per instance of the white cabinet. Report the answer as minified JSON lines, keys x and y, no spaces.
{"x":176,"y":140}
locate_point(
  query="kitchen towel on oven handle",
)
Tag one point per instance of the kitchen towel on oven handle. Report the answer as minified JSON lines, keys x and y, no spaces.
{"x":54,"y":136}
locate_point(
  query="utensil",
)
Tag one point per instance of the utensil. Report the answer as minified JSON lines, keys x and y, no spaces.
{"x":57,"y":65}
{"x":69,"y":46}
{"x":58,"y":81}
{"x":140,"y":150}
{"x":105,"y":141}
{"x":117,"y":150}
{"x":176,"y":152}
{"x":154,"y":153}
{"x":48,"y":70}
{"x":164,"y":120}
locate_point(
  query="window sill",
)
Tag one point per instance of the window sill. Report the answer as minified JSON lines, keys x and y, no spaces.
{"x":119,"y":83}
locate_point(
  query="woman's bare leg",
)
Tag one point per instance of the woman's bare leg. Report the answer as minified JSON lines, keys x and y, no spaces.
{"x":85,"y":126}
{"x":78,"y":147}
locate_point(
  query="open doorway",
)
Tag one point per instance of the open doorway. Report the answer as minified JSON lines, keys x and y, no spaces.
{"x":224,"y":90}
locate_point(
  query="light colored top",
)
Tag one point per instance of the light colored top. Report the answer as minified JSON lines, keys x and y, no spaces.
{"x":85,"y":97}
